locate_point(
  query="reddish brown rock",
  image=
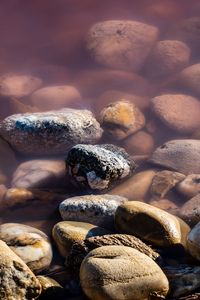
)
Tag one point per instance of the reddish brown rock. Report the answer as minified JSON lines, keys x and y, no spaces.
{"x":190,"y":211}
{"x":189,"y":79}
{"x":139,"y":143}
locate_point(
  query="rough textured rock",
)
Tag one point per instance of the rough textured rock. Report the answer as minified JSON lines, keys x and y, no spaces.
{"x":118,"y":272}
{"x":168,"y":57}
{"x":39,"y":173}
{"x":67,"y":232}
{"x":183,"y":280}
{"x":151,"y":224}
{"x":55,"y":97}
{"x":14,"y":85}
{"x":193,"y":242}
{"x":164,"y":181}
{"x":180,"y":155}
{"x":30,"y":244}
{"x":139,"y":143}
{"x":99,"y":167}
{"x":50,"y":133}
{"x":136,"y":187}
{"x":51,"y":289}
{"x":190,"y":211}
{"x":189,"y":79}
{"x":121,"y":119}
{"x":96,"y":209}
{"x":179,"y":112}
{"x":17,"y":280}
{"x":190,"y":186}
{"x":121,"y":44}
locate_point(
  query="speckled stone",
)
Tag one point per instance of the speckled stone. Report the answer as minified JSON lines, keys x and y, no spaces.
{"x":99,"y":167}
{"x":97,"y":209}
{"x":50,"y":133}
{"x":30,"y":244}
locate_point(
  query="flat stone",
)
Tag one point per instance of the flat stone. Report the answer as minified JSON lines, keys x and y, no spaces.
{"x":150,"y":224}
{"x":119,"y":272}
{"x":97,"y":209}
{"x":17,"y":282}
{"x":29,"y":243}
{"x":50,"y":133}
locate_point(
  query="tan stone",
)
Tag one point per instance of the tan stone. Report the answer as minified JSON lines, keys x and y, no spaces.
{"x":121,"y":273}
{"x":189,"y":79}
{"x":140,"y":143}
{"x":190,"y":186}
{"x":50,"y":287}
{"x":164,"y":204}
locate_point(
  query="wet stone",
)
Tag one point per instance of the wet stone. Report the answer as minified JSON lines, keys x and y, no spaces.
{"x":50,"y":133}
{"x":122,"y":118}
{"x":39,"y":173}
{"x":121,"y":44}
{"x":118,"y":272}
{"x":96,"y":209}
{"x":140,"y":143}
{"x":180,"y":155}
{"x":99,"y":167}
{"x":151,"y":224}
{"x":190,"y":186}
{"x":17,"y":282}
{"x":30,"y":244}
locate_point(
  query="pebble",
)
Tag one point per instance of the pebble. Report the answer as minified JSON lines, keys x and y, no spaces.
{"x":180,"y":155}
{"x":164,"y":181}
{"x":15,"y":85}
{"x":121,"y":119}
{"x":151,"y":224}
{"x":65,"y":233}
{"x":190,"y":211}
{"x":121,"y":44}
{"x":51,"y":289}
{"x":55,"y":97}
{"x":164,"y":204}
{"x":30,"y":244}
{"x":119,"y":272}
{"x":96,"y":209}
{"x":190,"y":186}
{"x":39,"y":173}
{"x":167,"y":58}
{"x":17,"y":282}
{"x":189,"y":79}
{"x":135,"y":187}
{"x":50,"y":133}
{"x":140,"y":143}
{"x":179,"y":112}
{"x":193,"y":242}
{"x":99,"y":167}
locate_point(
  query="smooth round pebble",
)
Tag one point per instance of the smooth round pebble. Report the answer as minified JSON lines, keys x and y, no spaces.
{"x":97,"y":209}
{"x":121,"y":273}
{"x":189,"y":79}
{"x":190,"y":186}
{"x":139,"y":143}
{"x":29,"y":243}
{"x":151,"y":224}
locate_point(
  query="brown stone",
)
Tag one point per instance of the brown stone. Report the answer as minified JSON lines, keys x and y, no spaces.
{"x":164,"y":204}
{"x":189,"y":79}
{"x":190,"y":186}
{"x":140,"y":143}
{"x":190,"y":211}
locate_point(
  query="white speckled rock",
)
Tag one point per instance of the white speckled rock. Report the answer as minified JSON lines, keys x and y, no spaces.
{"x":121,"y":273}
{"x":50,"y":133}
{"x":30,"y":244}
{"x":17,"y":282}
{"x":96,"y":209}
{"x":15,"y":85}
{"x":121,"y":44}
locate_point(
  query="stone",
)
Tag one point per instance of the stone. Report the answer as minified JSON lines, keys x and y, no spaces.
{"x":190,"y":186}
{"x":51,"y":289}
{"x":189,"y":79}
{"x":190,"y":211}
{"x":39,"y":173}
{"x":167,"y":58}
{"x":96,"y":209}
{"x":164,"y":204}
{"x":193,"y":242}
{"x":50,"y":133}
{"x":121,"y":44}
{"x":8,"y":160}
{"x":16,"y":85}
{"x":140,"y":143}
{"x":179,"y":155}
{"x":55,"y":97}
{"x":30,"y":244}
{"x":135,"y":187}
{"x":119,"y":272}
{"x":65,"y":233}
{"x":121,"y":119}
{"x":164,"y":181}
{"x":183,"y":280}
{"x":179,"y":112}
{"x":150,"y":224}
{"x":16,"y":280}
{"x":99,"y":167}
